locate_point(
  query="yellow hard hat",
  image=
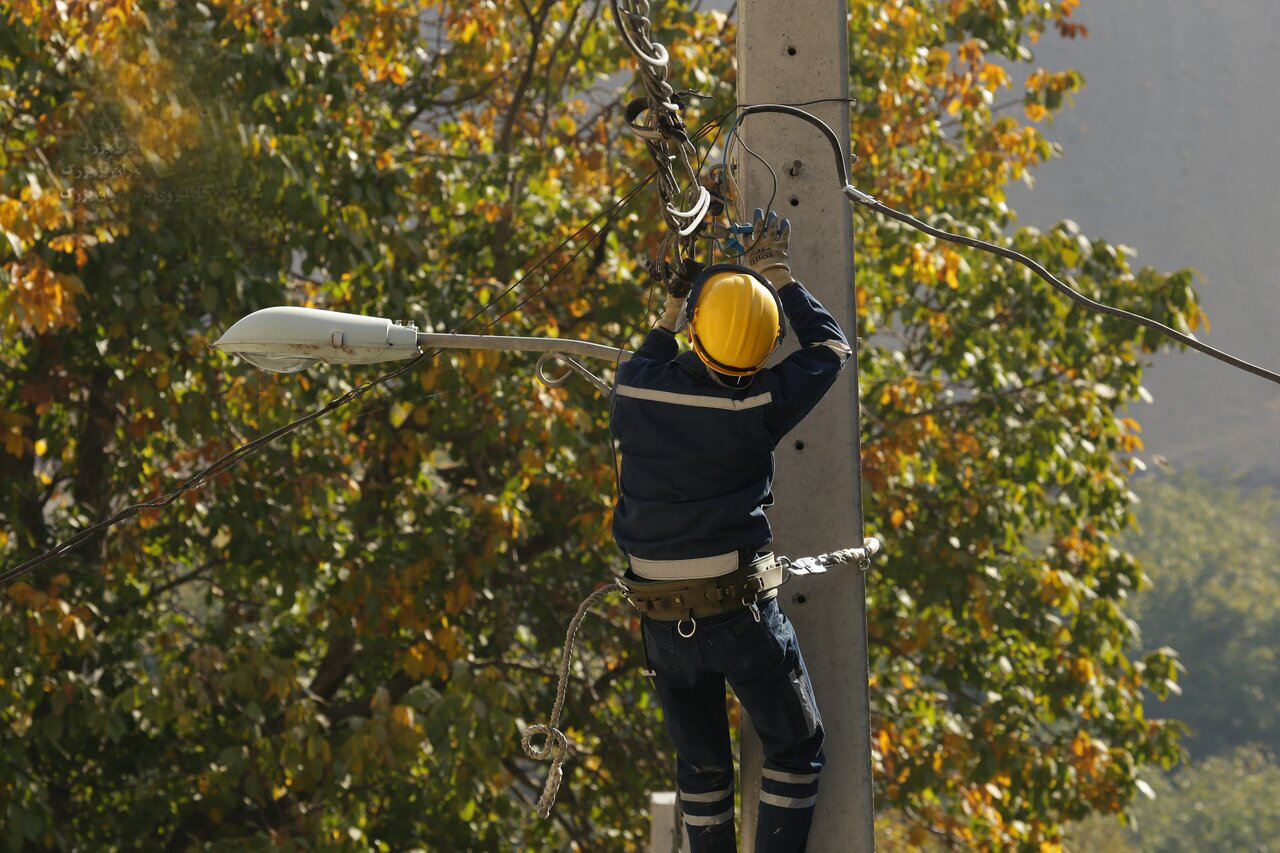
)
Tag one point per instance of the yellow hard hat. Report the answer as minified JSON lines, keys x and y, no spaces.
{"x":735,"y":319}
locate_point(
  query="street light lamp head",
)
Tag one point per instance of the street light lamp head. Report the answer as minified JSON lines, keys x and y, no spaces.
{"x":286,"y":340}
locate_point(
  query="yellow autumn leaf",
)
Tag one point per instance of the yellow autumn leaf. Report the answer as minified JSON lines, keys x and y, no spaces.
{"x":14,"y":443}
{"x":994,"y":76}
{"x":64,"y":243}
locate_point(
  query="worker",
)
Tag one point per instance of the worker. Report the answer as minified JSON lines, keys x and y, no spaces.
{"x":696,"y":432}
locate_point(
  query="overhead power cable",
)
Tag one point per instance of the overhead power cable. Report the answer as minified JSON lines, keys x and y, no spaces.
{"x":656,"y":120}
{"x":1070,"y":292}
{"x":206,"y":474}
{"x":874,"y":204}
{"x":228,"y":460}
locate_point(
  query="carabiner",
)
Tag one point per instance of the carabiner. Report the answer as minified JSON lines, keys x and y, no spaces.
{"x":680,"y":626}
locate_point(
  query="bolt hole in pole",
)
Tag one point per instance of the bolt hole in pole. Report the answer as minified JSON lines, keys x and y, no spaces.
{"x":795,"y":168}
{"x":791,"y":50}
{"x":800,"y":598}
{"x":795,"y":202}
{"x":799,"y":444}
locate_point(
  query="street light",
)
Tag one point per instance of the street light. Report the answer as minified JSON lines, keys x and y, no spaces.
{"x":286,"y":340}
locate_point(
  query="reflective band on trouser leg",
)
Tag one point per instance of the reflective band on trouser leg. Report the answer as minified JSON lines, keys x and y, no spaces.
{"x":790,"y":778}
{"x":786,"y":810}
{"x":788,"y":802}
{"x":707,"y":808}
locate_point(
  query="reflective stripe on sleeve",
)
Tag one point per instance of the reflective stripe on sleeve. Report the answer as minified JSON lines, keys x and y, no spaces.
{"x":701,"y":401}
{"x":840,"y":348}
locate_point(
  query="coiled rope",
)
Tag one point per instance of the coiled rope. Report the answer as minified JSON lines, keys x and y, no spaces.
{"x":556,"y":747}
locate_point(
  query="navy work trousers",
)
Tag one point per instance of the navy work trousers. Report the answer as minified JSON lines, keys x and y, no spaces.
{"x":761,"y":660}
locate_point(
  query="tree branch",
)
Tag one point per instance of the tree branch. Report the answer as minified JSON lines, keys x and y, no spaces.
{"x":335,"y":667}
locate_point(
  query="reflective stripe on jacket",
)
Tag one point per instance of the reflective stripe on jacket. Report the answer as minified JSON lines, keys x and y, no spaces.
{"x":696,"y":456}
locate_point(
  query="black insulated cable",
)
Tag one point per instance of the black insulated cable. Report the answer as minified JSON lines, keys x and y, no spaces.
{"x":972,"y":242}
{"x":1064,"y":288}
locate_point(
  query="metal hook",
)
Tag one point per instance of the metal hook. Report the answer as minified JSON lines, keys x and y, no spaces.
{"x":540,"y":370}
{"x":572,"y":365}
{"x":693,"y":630}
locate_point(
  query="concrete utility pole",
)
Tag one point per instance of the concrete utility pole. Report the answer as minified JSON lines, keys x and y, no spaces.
{"x":790,"y":53}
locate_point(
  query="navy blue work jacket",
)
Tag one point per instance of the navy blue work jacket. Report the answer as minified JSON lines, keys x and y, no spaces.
{"x":697,"y":457}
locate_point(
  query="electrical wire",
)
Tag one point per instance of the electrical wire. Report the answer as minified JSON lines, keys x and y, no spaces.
{"x":773,"y":176}
{"x":608,"y":211}
{"x":613,"y":212}
{"x":1072,"y":293}
{"x":663,"y":132}
{"x":736,"y":134}
{"x":972,"y":242}
{"x":233,"y":457}
{"x":202,"y":477}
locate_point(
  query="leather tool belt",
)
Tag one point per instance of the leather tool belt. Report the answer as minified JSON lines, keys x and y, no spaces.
{"x":681,"y":600}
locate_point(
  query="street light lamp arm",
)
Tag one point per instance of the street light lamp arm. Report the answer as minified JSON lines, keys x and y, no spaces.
{"x":509,"y":343}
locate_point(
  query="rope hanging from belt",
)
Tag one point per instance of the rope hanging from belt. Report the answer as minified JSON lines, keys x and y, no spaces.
{"x":556,"y":747}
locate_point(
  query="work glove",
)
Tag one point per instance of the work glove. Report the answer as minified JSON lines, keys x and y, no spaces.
{"x":671,"y":313}
{"x":767,"y":252}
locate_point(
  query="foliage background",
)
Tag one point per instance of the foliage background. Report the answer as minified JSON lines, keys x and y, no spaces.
{"x":1211,"y":549}
{"x":337,"y":644}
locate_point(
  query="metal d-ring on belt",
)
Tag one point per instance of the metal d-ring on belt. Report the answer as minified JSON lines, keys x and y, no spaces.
{"x":687,"y":600}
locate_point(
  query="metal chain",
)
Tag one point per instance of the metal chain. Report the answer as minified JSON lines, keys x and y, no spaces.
{"x":684,"y":209}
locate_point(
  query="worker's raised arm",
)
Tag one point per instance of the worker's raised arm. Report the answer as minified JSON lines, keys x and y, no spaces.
{"x":803,"y":377}
{"x":798,"y":383}
{"x":660,"y":343}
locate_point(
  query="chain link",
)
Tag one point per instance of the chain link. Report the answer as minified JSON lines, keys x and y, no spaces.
{"x":686,"y":205}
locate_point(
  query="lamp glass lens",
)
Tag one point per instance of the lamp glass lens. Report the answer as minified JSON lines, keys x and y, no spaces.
{"x":279,"y":364}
